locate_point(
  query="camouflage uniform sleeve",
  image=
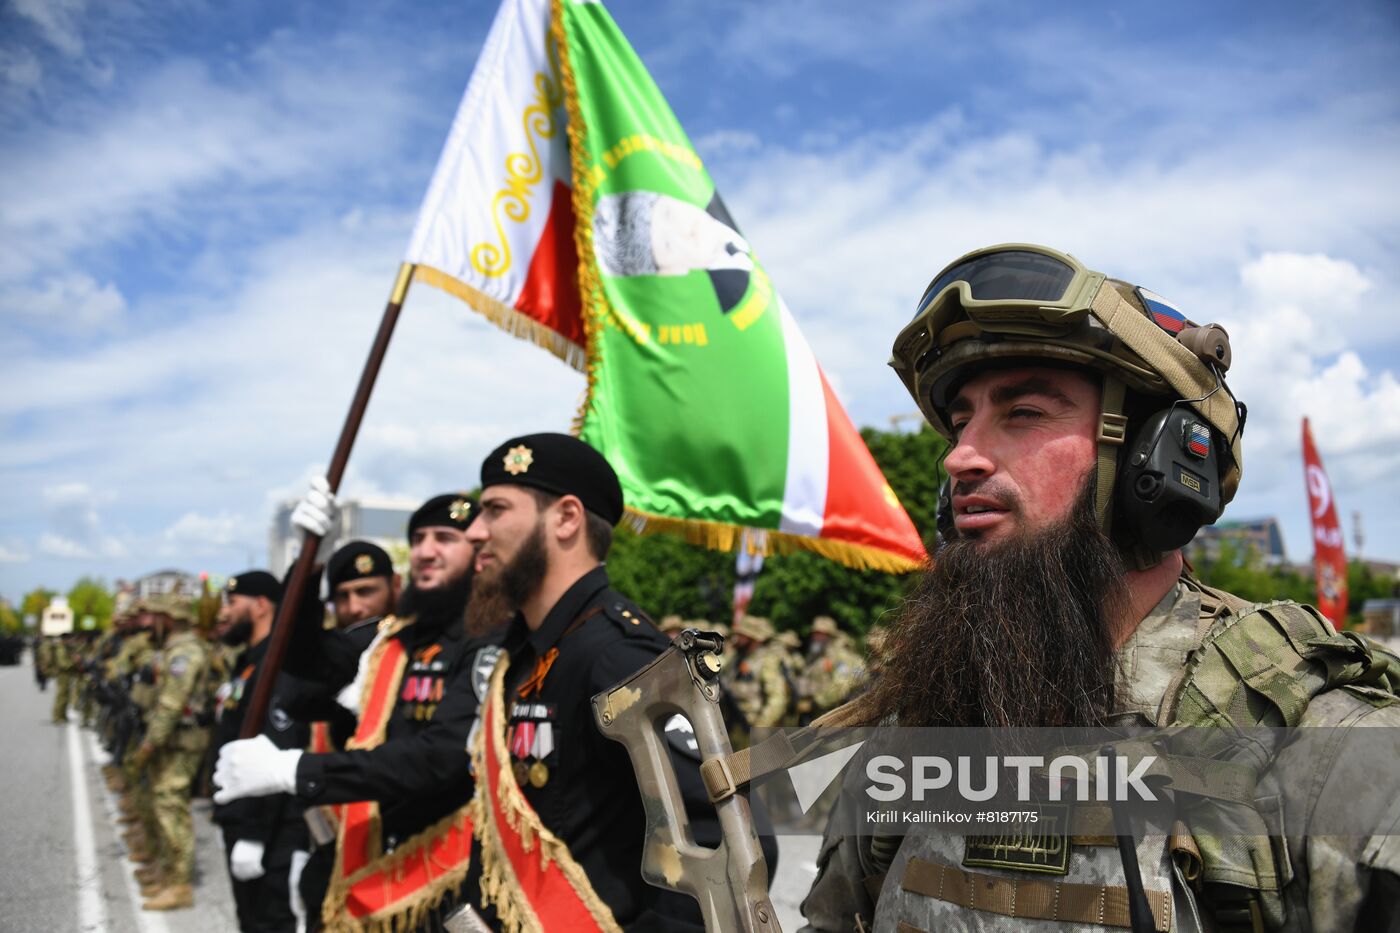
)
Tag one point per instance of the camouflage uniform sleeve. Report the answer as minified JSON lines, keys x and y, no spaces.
{"x":775,"y":691}
{"x":1346,"y":882}
{"x":834,"y":686}
{"x":839,"y":894}
{"x":177,"y":684}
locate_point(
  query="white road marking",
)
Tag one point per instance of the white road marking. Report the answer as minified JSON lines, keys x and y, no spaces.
{"x":92,"y":913}
{"x":147,"y":921}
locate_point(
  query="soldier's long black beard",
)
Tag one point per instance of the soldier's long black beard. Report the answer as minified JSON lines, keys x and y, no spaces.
{"x":440,"y":606}
{"x":1014,"y":634}
{"x":501,"y":592}
{"x":239,"y":633}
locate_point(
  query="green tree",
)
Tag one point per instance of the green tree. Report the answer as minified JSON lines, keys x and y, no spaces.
{"x":90,"y":597}
{"x":10,"y":621}
{"x":35,"y":602}
{"x":666,"y":575}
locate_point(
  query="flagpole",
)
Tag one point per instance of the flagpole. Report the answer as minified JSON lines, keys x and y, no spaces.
{"x":306,"y":560}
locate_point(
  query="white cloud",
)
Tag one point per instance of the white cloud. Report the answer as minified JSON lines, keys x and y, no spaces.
{"x":74,"y":303}
{"x":198,"y":533}
{"x":13,"y":554}
{"x":1313,"y":279}
{"x":57,"y":22}
{"x":52,"y":545}
{"x":71,"y":493}
{"x":20,"y":68}
{"x":726,"y":143}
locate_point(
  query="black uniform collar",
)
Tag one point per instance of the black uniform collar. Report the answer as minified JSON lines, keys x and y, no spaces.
{"x":567,"y":609}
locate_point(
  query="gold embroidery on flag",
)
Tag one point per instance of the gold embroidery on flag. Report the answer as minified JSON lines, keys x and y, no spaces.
{"x":524,"y":171}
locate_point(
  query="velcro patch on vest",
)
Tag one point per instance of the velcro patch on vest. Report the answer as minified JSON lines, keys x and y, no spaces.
{"x":1041,"y":845}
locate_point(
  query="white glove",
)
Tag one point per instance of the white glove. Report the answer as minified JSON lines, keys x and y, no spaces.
{"x":255,"y":768}
{"x":317,"y":512}
{"x":245,"y":861}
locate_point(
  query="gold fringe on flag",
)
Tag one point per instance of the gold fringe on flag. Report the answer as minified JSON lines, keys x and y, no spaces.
{"x":722,"y":536}
{"x":592,"y":300}
{"x":507,"y":318}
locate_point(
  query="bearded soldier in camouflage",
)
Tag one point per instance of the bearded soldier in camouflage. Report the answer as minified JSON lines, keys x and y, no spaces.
{"x":757,"y":681}
{"x":170,"y":755}
{"x":1092,"y":434}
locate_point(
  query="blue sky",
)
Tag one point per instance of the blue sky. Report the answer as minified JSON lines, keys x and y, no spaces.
{"x":202,"y":206}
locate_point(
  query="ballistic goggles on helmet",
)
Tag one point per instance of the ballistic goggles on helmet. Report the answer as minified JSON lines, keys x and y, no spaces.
{"x":1020,"y":302}
{"x":1030,"y":287}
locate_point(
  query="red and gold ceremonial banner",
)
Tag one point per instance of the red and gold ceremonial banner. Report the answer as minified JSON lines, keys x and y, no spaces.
{"x":369,"y":890}
{"x":526,"y":870}
{"x":1329,"y":560}
{"x":570,"y":208}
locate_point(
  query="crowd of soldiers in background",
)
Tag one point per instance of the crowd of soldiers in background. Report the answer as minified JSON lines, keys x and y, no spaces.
{"x":147,"y":685}
{"x":153,"y":686}
{"x":771,"y":680}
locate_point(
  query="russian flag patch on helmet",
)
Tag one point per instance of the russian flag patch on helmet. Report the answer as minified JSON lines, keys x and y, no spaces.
{"x":1163,"y":312}
{"x":1197,"y":439}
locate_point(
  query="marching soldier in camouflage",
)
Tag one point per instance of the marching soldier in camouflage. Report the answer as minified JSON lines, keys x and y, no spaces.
{"x":170,"y":755}
{"x":1092,"y":434}
{"x":834,"y":670}
{"x":757,"y":682}
{"x":137,"y":662}
{"x":63,"y":663}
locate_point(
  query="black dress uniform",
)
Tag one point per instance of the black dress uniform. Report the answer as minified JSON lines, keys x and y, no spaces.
{"x":264,"y":904}
{"x":421,"y":772}
{"x":580,"y":783}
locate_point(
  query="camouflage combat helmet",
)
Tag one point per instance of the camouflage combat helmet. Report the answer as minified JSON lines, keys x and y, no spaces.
{"x":1017,"y":304}
{"x":755,"y":627}
{"x":176,"y":607}
{"x":825,"y":625}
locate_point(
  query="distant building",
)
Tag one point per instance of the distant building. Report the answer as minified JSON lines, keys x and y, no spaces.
{"x":381,"y":520}
{"x":1262,"y":536}
{"x":163,"y":582}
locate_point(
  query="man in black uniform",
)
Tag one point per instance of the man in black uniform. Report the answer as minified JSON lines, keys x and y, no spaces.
{"x":363,"y":588}
{"x":548,"y":506}
{"x":419,"y":773}
{"x":265,"y":837}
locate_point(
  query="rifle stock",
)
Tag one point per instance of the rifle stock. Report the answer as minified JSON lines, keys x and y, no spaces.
{"x":731,"y":881}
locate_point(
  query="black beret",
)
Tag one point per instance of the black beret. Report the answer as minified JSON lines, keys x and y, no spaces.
{"x":453,"y":509}
{"x":560,"y":464}
{"x":254,"y":583}
{"x":357,"y":560}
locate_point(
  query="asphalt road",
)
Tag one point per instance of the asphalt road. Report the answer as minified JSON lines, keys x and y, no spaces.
{"x":63,"y":866}
{"x":62,"y":863}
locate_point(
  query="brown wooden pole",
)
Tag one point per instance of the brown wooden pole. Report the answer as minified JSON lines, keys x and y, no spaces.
{"x":301,"y":571}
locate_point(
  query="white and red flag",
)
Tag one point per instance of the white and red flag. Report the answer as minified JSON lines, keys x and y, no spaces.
{"x":1329,"y":559}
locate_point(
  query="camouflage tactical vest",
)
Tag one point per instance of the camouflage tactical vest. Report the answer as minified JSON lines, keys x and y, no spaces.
{"x":1260,"y":665}
{"x":1256,"y":665}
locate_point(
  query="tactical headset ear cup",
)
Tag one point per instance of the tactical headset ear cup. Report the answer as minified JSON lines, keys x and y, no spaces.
{"x":1168,"y":482}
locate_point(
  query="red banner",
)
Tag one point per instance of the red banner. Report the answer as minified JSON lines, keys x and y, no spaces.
{"x":1329,"y":560}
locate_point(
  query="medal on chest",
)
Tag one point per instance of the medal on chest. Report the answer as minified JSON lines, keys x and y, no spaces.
{"x":424,"y":684}
{"x":530,"y":739}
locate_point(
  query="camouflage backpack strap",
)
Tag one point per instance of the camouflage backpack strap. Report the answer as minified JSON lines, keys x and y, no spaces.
{"x":1258,"y":665}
